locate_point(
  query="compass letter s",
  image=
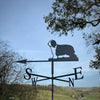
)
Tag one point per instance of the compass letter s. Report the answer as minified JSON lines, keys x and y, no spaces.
{"x":28,"y":72}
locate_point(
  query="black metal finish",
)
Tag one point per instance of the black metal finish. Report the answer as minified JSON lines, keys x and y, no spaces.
{"x":60,"y":50}
{"x":29,"y":73}
{"x":52,"y":68}
{"x":49,"y":60}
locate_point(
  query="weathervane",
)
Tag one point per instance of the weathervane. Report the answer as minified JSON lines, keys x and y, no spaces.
{"x":63,"y":50}
{"x":60,"y":51}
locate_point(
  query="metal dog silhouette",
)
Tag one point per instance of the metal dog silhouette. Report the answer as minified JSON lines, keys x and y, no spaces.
{"x":62,"y":50}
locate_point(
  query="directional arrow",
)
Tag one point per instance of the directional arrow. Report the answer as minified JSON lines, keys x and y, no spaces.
{"x":49,"y":60}
{"x":25,"y":61}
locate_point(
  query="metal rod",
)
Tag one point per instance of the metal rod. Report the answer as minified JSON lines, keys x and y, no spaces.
{"x":39,"y":61}
{"x":54,"y":79}
{"x":49,"y":60}
{"x":52,"y":72}
{"x":65,"y":75}
{"x":44,"y":79}
{"x":62,"y":80}
{"x":41,"y":76}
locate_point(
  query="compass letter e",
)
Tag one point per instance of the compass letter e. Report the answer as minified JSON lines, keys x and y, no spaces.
{"x":76,"y":73}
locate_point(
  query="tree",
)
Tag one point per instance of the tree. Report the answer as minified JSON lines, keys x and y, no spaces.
{"x":69,"y":15}
{"x":94,"y":40}
{"x":10,"y":72}
{"x":11,"y":76}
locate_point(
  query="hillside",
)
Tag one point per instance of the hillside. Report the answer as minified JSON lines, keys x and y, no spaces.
{"x":28,"y":92}
{"x":68,"y":93}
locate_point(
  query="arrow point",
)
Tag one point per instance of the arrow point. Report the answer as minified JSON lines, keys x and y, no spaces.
{"x":22,"y":61}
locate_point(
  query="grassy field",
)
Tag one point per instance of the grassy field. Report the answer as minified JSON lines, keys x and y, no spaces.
{"x":28,"y":92}
{"x":67,"y":93}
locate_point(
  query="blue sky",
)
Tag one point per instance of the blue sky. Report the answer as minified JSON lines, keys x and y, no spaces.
{"x":22,"y":24}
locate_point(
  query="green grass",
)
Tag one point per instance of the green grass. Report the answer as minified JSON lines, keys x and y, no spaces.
{"x":28,"y":92}
{"x":62,"y":93}
{"x":46,"y":95}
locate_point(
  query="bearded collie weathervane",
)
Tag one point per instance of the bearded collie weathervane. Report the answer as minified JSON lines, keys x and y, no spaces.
{"x":60,"y":50}
{"x":63,"y":50}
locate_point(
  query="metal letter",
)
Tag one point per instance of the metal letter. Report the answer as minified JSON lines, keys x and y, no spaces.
{"x":75,"y":70}
{"x":71,"y":82}
{"x":28,"y":74}
{"x":34,"y":80}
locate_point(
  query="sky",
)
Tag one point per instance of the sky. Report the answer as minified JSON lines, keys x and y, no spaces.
{"x":23,"y":26}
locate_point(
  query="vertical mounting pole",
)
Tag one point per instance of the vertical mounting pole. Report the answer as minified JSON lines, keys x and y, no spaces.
{"x":52,"y":72}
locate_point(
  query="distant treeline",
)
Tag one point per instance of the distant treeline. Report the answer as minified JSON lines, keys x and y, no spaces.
{"x":29,"y":92}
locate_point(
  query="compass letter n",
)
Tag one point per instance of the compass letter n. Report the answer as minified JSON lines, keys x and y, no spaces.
{"x":71,"y":81}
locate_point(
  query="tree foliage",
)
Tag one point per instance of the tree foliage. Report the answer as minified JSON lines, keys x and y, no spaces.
{"x":68,"y":15}
{"x":94,"y":40}
{"x":9,"y":71}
